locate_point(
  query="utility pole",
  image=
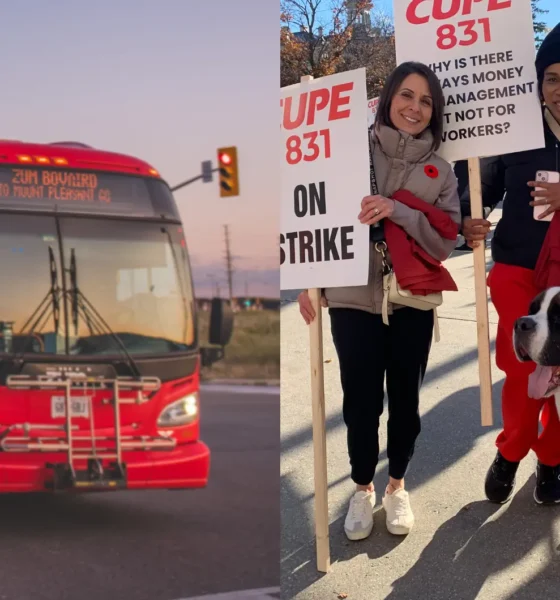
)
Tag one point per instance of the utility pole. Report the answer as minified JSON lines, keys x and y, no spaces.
{"x":215,"y":285}
{"x":229,"y":266}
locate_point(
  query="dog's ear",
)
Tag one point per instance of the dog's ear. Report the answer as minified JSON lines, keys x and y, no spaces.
{"x":536,"y":304}
{"x":555,"y":300}
{"x":553,"y":312}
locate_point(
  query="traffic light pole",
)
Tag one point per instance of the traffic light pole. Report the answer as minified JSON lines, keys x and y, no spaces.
{"x":192,"y":180}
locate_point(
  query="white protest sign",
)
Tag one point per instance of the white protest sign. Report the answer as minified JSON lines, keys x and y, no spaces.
{"x":372,"y":111}
{"x":483,"y":53}
{"x":325,"y":175}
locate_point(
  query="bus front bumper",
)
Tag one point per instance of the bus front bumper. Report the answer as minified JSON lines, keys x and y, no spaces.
{"x":186,"y":466}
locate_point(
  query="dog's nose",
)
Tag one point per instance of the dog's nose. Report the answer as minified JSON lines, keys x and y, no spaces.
{"x":525,"y":324}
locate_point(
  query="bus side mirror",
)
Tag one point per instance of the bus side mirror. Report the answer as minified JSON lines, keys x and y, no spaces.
{"x":220,"y":331}
{"x":221,"y":323}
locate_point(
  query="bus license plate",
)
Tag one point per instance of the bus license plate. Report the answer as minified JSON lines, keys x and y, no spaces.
{"x":80,"y":407}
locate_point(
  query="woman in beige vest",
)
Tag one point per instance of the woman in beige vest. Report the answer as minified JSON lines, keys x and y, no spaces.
{"x":403,"y":142}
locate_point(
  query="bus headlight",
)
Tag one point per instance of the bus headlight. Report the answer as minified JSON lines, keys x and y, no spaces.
{"x":180,"y":412}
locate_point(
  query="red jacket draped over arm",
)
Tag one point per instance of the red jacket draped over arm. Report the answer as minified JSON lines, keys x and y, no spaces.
{"x":414,"y":268}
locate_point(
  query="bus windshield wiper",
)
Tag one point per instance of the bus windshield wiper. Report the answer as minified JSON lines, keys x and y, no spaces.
{"x":50,"y":305}
{"x":95,"y":322}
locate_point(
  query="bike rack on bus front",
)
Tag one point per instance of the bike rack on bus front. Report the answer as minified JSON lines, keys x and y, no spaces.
{"x":18,"y":437}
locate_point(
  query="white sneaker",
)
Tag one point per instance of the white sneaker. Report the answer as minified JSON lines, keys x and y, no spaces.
{"x":359,"y":520}
{"x":399,"y":514}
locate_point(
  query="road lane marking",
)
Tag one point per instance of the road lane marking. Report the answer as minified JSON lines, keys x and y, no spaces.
{"x":241,"y":389}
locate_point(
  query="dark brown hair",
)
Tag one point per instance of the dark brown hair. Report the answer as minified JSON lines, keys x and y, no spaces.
{"x":392,"y":86}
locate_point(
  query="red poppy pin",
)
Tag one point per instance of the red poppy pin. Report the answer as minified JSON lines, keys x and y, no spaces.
{"x":431,"y":171}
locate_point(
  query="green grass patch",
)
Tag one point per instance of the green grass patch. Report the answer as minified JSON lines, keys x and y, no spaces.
{"x":254,"y":349}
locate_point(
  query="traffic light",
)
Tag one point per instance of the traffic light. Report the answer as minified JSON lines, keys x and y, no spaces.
{"x":229,"y":175}
{"x":207,"y":171}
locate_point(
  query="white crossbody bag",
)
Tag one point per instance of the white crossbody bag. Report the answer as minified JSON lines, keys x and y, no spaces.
{"x":393,"y":293}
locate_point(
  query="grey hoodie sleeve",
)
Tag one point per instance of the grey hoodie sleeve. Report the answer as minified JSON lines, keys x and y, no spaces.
{"x":418,"y":227}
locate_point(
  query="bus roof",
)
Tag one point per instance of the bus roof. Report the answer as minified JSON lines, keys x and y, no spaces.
{"x":71,"y":155}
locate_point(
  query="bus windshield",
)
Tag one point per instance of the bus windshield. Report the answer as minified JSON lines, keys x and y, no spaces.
{"x":129,"y":279}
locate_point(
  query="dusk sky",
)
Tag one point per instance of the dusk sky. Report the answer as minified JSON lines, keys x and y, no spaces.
{"x":168,"y":82}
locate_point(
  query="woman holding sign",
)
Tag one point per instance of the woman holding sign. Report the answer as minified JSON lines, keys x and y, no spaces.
{"x":414,"y":212}
{"x":514,"y":282}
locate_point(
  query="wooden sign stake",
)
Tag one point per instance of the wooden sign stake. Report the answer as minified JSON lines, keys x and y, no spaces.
{"x":319,"y":429}
{"x":482,"y":325}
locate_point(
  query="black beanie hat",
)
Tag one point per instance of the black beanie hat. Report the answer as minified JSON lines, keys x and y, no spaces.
{"x":548,"y":54}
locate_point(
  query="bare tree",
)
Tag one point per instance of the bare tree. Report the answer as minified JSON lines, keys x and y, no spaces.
{"x":323,"y":31}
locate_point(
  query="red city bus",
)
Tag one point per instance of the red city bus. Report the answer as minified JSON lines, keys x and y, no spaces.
{"x":99,"y":352}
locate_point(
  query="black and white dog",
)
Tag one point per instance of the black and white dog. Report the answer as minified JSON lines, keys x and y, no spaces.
{"x":536,"y":338}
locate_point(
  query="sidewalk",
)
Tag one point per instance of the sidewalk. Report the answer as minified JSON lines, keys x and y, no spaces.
{"x":263,"y":594}
{"x":462,"y":547}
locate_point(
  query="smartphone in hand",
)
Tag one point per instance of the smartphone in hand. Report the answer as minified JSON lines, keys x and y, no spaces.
{"x":545,"y":177}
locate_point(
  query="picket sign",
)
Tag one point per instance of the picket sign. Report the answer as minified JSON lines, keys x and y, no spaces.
{"x":321,"y":243}
{"x":319,"y":428}
{"x":372,"y":105}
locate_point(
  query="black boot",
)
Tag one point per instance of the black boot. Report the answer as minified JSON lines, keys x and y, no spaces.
{"x":500,"y":480}
{"x":547,"y":490}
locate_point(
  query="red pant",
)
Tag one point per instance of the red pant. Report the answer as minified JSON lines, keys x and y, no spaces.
{"x":512,"y":290}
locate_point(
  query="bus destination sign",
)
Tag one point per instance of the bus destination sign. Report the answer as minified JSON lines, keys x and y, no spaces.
{"x":57,"y":186}
{"x":67,"y":190}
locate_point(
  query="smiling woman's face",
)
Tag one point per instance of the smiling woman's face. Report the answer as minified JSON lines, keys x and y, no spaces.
{"x":412,"y":105}
{"x":551,"y":89}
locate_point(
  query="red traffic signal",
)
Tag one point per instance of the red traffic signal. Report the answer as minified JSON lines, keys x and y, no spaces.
{"x":225,"y":158}
{"x":228,"y":172}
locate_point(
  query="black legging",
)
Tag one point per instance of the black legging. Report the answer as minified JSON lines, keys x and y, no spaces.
{"x":367,"y":349}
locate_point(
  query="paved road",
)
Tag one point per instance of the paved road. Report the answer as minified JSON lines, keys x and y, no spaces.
{"x":159,"y":545}
{"x":462,"y":548}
